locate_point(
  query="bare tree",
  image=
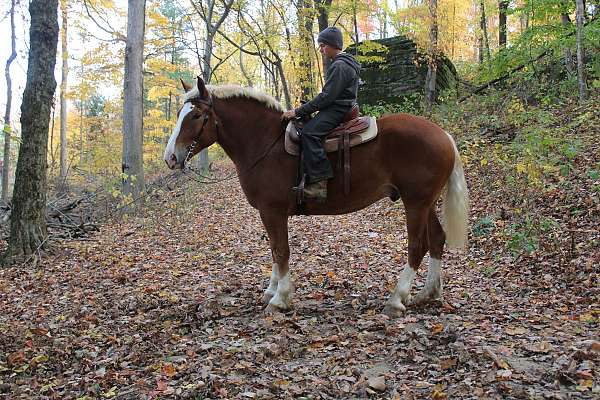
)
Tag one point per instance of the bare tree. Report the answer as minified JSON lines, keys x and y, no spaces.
{"x":265,"y":50}
{"x":580,"y":51}
{"x":7,"y":128}
{"x":133,"y":108}
{"x":208,"y":13}
{"x":28,"y":231}
{"x":63,"y":98}
{"x":430,"y":80}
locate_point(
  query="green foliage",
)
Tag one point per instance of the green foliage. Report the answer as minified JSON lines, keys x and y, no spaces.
{"x":527,"y":234}
{"x":545,"y":34}
{"x":484,"y":226}
{"x":410,"y":104}
{"x":369,"y":52}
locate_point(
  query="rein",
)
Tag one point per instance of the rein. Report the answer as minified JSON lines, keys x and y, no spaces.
{"x":192,"y":146}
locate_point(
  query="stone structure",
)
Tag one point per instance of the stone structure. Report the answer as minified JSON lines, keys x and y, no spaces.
{"x":392,"y":68}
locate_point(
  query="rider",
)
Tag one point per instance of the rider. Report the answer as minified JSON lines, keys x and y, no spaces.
{"x":333,"y":103}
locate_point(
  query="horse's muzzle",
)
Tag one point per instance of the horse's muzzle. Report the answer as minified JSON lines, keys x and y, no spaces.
{"x":172,"y":162}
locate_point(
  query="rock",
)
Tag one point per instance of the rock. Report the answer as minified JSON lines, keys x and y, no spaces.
{"x":393,"y":70}
{"x":377,"y":383}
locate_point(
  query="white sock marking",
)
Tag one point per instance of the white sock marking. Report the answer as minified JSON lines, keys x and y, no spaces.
{"x":402,"y":292}
{"x":434,"y":277}
{"x":272,"y":289}
{"x":282,"y":296}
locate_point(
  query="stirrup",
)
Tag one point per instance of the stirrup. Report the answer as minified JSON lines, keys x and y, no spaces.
{"x":300,"y":188}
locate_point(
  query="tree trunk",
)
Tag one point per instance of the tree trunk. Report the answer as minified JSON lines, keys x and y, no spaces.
{"x":453,"y":25}
{"x":286,"y":91}
{"x":7,"y":128}
{"x":502,"y":9}
{"x":580,"y":52}
{"x":211,"y":30}
{"x":305,"y":25}
{"x":81,"y":108}
{"x":323,"y":19}
{"x":133,"y":109}
{"x":568,"y":55}
{"x":62,"y":186}
{"x":355,"y":20}
{"x":483,"y":24}
{"x":249,"y":82}
{"x":430,"y":80}
{"x":52,"y":121}
{"x":28,"y":230}
{"x":203,"y":158}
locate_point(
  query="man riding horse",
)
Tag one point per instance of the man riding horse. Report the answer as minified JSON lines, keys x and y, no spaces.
{"x":333,"y":103}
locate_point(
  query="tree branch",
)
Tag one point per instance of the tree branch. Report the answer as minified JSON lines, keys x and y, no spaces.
{"x":112,"y":31}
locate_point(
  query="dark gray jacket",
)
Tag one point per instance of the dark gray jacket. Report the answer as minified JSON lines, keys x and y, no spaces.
{"x":341,"y":85}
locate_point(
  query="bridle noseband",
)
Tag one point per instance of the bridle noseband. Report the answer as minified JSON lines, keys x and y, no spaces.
{"x":210,"y":105}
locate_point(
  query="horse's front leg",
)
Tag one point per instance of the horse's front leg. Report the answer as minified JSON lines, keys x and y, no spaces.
{"x":279,"y":293}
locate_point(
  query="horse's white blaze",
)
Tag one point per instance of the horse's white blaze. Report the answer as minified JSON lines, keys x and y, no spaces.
{"x":272,"y":289}
{"x":433,"y":284}
{"x":283,"y":294}
{"x":170,"y":149}
{"x":400,"y":295}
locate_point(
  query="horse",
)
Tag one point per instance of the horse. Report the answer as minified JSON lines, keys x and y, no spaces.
{"x":411,"y":159}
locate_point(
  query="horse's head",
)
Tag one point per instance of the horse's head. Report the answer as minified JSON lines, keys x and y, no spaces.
{"x":196,"y":127}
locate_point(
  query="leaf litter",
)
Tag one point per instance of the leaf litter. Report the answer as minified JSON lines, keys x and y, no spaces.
{"x":166,"y":304}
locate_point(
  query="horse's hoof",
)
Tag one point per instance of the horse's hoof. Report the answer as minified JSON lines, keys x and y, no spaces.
{"x":267,"y":298}
{"x":425,"y":297}
{"x":272,"y":309}
{"x":393,"y":311}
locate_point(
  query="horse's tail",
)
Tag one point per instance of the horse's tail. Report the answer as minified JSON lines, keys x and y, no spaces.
{"x":456,"y":204}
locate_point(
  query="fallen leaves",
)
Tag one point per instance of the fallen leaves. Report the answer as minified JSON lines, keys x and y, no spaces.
{"x":162,"y":315}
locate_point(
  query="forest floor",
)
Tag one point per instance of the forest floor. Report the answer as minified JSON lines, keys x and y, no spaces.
{"x":166,"y":304}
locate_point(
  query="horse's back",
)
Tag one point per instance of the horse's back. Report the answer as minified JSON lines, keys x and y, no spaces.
{"x":416,"y":151}
{"x":415,"y":133}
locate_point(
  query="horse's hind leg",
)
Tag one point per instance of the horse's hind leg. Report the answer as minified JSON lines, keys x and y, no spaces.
{"x":416,"y":226}
{"x":436,"y":238}
{"x":278,"y":294}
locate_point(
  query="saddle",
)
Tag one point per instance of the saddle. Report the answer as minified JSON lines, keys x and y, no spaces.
{"x":353,"y":130}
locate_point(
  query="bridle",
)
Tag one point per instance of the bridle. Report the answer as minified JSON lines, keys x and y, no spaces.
{"x":210,"y":105}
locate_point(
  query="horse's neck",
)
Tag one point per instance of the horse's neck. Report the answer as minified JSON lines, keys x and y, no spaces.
{"x":246,"y":129}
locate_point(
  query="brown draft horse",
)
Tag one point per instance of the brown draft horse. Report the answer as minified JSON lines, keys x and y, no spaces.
{"x":411,"y":159}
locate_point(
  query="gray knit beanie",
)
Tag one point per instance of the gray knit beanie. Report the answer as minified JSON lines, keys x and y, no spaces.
{"x":331,"y":36}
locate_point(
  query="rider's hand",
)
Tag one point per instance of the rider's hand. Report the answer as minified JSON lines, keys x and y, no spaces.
{"x":289,"y":114}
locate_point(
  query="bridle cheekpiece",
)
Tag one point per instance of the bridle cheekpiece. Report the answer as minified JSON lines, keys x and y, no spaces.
{"x":209,"y":103}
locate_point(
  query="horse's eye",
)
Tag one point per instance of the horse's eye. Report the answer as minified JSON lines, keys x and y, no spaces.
{"x":197,"y":116}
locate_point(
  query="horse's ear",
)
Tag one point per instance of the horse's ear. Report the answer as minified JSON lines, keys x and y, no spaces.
{"x":202,"y":88}
{"x":186,"y":87}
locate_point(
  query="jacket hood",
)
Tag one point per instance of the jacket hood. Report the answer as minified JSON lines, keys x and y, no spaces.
{"x":348,"y":59}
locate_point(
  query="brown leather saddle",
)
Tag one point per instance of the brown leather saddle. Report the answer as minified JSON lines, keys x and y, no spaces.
{"x":352,"y":124}
{"x":344,"y":136}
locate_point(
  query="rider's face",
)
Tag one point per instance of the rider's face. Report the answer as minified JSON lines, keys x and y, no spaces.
{"x":326,"y":50}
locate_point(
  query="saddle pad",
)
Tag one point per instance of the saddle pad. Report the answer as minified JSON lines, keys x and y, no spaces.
{"x":331,"y":144}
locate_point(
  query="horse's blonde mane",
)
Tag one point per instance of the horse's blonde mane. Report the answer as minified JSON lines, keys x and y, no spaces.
{"x":230,"y":91}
